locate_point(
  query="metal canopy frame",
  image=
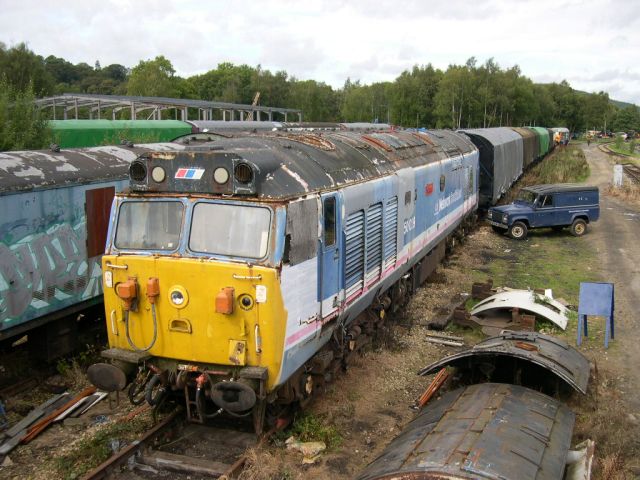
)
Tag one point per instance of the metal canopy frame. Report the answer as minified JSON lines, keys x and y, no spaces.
{"x":72,"y":102}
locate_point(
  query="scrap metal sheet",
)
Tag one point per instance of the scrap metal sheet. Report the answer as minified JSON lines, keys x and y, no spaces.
{"x":544,"y":350}
{"x":493,"y":431}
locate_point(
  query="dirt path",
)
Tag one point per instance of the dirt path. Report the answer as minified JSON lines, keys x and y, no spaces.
{"x":615,"y":237}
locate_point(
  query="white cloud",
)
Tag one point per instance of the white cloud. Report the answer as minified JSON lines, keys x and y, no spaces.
{"x":592,"y":43}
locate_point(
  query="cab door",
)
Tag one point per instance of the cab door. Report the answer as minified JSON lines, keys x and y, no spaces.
{"x":545,"y":215}
{"x":330,"y":258}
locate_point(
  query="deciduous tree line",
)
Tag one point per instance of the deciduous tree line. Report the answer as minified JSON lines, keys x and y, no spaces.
{"x":462,"y":96}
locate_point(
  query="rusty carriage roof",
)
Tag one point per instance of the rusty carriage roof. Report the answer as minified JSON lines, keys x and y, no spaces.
{"x":22,"y":171}
{"x":293,"y":164}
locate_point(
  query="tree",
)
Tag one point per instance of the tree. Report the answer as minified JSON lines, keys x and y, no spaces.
{"x":22,"y":125}
{"x":627,"y":119}
{"x":24,"y":70}
{"x":153,"y":78}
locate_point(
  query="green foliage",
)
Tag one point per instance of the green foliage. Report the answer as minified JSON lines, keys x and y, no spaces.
{"x":566,"y":165}
{"x":22,"y":70}
{"x":632,"y":146}
{"x":314,"y":428}
{"x":462,"y":96}
{"x":22,"y":125}
{"x":153,"y":78}
{"x":619,"y":141}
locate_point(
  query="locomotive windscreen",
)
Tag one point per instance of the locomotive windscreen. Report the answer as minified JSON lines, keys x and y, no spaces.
{"x":232,"y":230}
{"x":149,"y":225}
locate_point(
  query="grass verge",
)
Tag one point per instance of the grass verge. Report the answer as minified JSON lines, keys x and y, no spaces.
{"x":564,"y":165}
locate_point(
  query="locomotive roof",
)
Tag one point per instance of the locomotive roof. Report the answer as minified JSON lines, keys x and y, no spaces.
{"x":292,"y":164}
{"x":29,"y":170}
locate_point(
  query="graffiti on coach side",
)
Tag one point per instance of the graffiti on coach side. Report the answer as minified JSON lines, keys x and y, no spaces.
{"x":44,"y":271}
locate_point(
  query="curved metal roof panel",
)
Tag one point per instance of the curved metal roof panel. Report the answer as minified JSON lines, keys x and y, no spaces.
{"x":491,"y":431}
{"x":546,"y":351}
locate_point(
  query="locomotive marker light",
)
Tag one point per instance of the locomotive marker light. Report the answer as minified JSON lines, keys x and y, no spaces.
{"x":221,"y":175}
{"x":158,"y":174}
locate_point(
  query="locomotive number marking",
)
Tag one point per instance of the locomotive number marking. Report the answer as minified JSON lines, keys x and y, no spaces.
{"x":409,"y":224}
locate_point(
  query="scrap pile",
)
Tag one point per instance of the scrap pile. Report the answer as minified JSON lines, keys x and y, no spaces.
{"x":55,"y":409}
{"x":506,"y":308}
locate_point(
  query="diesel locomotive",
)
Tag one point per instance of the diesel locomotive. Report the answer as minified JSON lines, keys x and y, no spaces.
{"x":241,"y":274}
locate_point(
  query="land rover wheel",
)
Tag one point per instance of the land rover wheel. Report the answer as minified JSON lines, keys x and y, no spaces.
{"x":518,"y":231}
{"x":578,"y":227}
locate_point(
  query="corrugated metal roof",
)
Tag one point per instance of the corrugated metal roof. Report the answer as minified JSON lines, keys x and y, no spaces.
{"x":493,"y":431}
{"x":544,"y":350}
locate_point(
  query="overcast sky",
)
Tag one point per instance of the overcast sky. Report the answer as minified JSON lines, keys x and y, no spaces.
{"x":594,"y":44}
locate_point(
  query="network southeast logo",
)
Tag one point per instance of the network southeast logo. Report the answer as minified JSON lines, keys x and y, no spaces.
{"x":190,"y":173}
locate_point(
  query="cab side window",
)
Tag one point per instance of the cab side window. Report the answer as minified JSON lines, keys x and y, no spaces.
{"x":546,"y":201}
{"x":329,"y":214}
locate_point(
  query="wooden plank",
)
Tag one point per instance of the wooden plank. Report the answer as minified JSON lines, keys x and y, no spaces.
{"x":182,"y":463}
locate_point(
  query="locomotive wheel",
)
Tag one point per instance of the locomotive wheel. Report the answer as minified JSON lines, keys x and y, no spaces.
{"x":578,"y":227}
{"x":518,"y":231}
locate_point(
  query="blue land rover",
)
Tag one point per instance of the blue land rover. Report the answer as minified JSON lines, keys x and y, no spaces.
{"x":557,"y":206}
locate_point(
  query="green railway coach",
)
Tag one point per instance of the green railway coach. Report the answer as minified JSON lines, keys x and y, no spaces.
{"x":91,"y":133}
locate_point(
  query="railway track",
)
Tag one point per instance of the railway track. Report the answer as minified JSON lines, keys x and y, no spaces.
{"x":632,"y":171}
{"x":183,"y":450}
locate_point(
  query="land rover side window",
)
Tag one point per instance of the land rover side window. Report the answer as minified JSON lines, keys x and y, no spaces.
{"x":149,"y":225}
{"x":232,"y":230}
{"x":329,"y":215}
{"x":546,"y":201}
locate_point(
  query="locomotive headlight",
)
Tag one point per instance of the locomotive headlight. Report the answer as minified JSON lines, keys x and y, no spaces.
{"x":158,"y":174}
{"x":178,"y":296}
{"x":221,"y":175}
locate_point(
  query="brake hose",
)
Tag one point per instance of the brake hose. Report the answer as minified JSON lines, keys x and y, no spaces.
{"x":155,"y":330}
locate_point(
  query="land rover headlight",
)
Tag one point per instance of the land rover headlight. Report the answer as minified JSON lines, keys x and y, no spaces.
{"x":490,"y":214}
{"x":505,"y":217}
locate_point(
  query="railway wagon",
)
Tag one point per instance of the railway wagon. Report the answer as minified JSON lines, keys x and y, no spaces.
{"x":544,"y":142}
{"x":92,"y":133}
{"x":55,"y":209}
{"x":501,"y":160}
{"x":530,"y":146}
{"x":243,"y":274}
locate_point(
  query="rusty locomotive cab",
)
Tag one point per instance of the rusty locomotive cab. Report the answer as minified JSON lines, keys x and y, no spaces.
{"x":195,"y":170}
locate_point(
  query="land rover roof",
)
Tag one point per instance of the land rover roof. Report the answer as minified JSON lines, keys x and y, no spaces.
{"x":560,"y":187}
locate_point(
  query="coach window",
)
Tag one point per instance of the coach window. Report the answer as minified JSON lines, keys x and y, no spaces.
{"x":442,"y":182}
{"x":329,"y":215}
